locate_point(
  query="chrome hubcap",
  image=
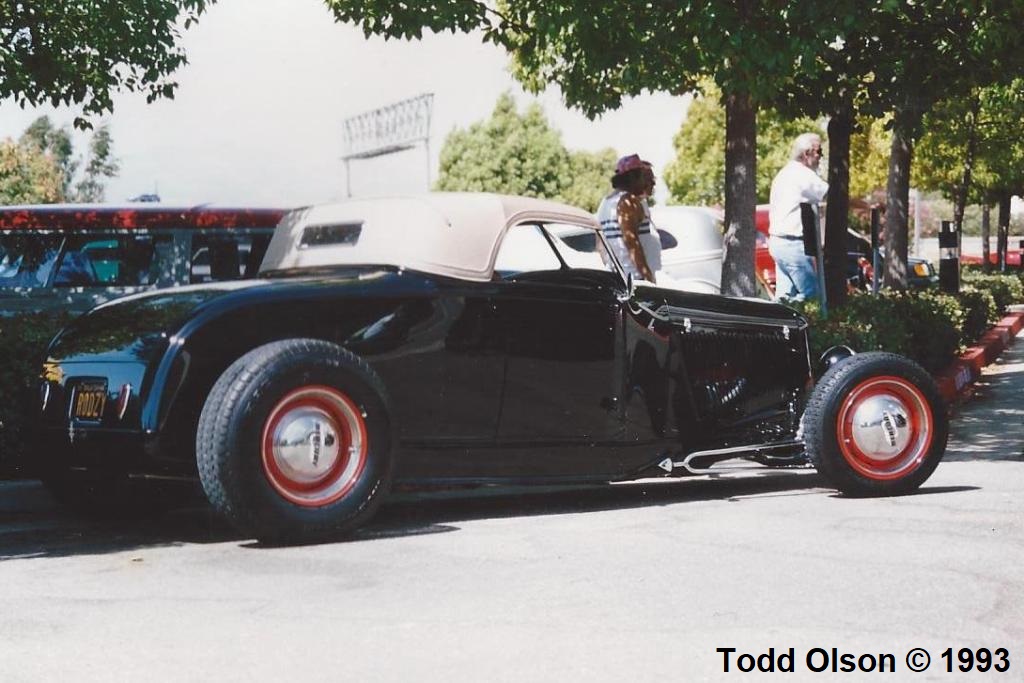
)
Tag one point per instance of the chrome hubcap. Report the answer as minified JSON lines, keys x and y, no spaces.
{"x":881,"y":427}
{"x":884,"y":427}
{"x":306,"y":445}
{"x":314,"y":446}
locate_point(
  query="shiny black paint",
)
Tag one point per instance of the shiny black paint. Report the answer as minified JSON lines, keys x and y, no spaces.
{"x":545,"y":375}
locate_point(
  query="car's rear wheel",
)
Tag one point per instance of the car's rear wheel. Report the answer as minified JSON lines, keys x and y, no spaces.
{"x":294,"y":442}
{"x":875,"y":425}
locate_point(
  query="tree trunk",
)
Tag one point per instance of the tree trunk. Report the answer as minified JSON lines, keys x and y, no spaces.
{"x":897,"y":198}
{"x":838,"y":207}
{"x":986,"y":231}
{"x":1003,"y":229}
{"x":740,"y":195}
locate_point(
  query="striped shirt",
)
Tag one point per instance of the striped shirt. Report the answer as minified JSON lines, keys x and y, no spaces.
{"x":608,"y":217}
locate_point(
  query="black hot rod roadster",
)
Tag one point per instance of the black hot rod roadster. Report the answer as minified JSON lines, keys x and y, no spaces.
{"x":455,"y":338}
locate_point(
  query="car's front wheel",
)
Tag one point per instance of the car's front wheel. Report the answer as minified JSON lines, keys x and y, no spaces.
{"x":294,"y":442}
{"x":875,"y":425}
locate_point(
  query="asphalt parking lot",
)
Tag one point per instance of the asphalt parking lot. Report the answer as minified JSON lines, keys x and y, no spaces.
{"x":643,"y":581}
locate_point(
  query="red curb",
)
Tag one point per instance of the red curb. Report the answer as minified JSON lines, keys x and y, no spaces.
{"x":956,"y":379}
{"x":974,"y":358}
{"x":1015,"y":321}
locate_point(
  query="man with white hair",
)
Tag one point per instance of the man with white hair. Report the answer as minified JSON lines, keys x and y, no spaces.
{"x":798,"y":181}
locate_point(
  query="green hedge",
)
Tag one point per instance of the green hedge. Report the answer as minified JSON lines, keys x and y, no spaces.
{"x":1006,"y":288}
{"x":928,"y":326}
{"x":23,"y":341}
{"x":980,"y":311}
{"x":925,"y":326}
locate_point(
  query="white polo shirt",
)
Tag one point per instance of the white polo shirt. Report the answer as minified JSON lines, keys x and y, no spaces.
{"x":794,"y":183}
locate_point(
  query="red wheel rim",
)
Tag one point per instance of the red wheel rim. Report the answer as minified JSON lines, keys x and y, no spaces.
{"x":314,"y":446}
{"x":884,"y":428}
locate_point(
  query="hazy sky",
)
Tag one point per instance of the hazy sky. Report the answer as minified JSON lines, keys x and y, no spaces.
{"x":257,"y":118}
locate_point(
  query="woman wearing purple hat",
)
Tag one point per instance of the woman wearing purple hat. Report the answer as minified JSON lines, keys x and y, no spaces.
{"x":626,"y":220}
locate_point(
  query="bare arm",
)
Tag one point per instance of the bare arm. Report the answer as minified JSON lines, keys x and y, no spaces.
{"x":630,"y":215}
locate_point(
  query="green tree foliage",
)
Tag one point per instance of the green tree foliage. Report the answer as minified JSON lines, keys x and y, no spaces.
{"x":971,"y":151}
{"x":697,"y":173}
{"x":883,"y":56}
{"x":940,"y":50}
{"x":869,"y":157}
{"x":600,"y":53}
{"x":980,"y":130}
{"x":522,"y":154}
{"x":28,"y":176}
{"x":54,"y":141}
{"x":590,"y":176}
{"x":65,"y":52}
{"x":896,"y":60}
{"x":100,"y":164}
{"x":509,"y":152}
{"x":41,"y":166}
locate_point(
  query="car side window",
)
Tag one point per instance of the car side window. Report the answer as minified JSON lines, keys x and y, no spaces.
{"x":580,"y":247}
{"x":27,"y":258}
{"x":524,"y":249}
{"x":108,"y":260}
{"x":226,"y":257}
{"x":668,"y":241}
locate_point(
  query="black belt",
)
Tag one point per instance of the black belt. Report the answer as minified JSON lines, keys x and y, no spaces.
{"x":788,"y":237}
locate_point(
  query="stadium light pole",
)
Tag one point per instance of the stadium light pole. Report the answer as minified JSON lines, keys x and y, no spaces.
{"x":386,"y":130}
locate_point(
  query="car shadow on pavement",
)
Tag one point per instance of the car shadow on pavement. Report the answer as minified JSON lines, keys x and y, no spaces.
{"x":416,"y":512}
{"x":33,"y":526}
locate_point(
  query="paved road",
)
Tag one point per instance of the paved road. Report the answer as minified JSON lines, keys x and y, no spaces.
{"x":633,"y":582}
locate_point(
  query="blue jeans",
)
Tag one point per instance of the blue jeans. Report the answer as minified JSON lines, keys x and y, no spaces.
{"x":795,"y":278}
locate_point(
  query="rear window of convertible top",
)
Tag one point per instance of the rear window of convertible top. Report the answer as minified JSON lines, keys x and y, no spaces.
{"x":331,"y":234}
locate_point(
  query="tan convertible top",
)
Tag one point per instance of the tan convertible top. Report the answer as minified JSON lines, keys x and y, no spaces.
{"x":446,"y":233}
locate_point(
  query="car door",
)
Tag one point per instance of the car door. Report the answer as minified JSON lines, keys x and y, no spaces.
{"x":560,"y":370}
{"x":564,"y":316}
{"x":559,"y":326}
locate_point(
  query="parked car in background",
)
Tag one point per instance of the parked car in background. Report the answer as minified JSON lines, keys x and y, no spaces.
{"x":1012,"y":259}
{"x":455,"y":339}
{"x":859,"y":267}
{"x":691,"y":247}
{"x":75,"y":256}
{"x":58,"y":261}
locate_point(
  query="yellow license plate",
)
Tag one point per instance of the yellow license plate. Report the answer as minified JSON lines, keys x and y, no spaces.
{"x":88,"y":400}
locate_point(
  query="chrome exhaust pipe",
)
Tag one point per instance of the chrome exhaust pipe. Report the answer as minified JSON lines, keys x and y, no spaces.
{"x":669,"y":465}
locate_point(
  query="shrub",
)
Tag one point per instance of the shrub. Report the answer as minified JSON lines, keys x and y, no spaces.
{"x":23,"y":341}
{"x":1006,"y":288}
{"x":979,"y":312}
{"x":925,"y":326}
{"x":936,"y":324}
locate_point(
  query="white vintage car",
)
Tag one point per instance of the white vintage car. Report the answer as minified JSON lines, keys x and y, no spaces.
{"x":691,"y":247}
